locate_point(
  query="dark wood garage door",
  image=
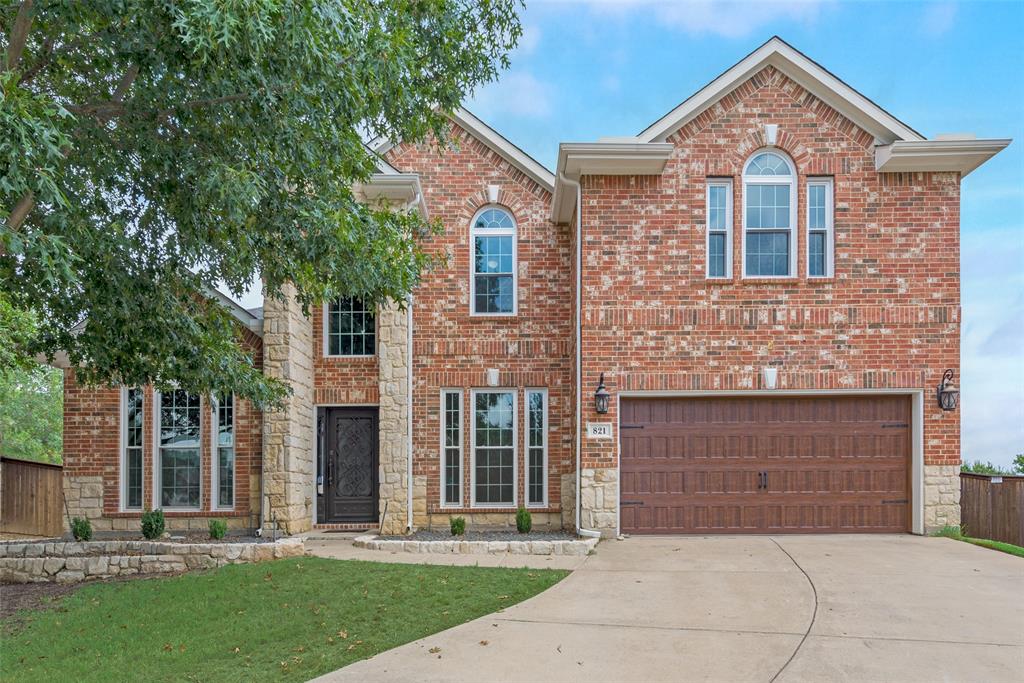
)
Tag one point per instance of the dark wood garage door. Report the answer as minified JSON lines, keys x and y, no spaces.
{"x":765,"y":465}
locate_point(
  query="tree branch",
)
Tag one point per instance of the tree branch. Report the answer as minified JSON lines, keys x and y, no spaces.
{"x":19,"y":34}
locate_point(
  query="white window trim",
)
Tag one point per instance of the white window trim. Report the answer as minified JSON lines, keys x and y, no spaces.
{"x":443,"y":423}
{"x":215,"y":455}
{"x":794,"y":188}
{"x":122,"y":444}
{"x":326,"y":340}
{"x":494,"y":232}
{"x":727,"y":184}
{"x":158,"y":456}
{"x":544,"y":446}
{"x":829,"y":230}
{"x":515,"y":447}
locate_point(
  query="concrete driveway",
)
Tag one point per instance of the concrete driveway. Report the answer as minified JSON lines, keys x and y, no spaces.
{"x":787,"y":608}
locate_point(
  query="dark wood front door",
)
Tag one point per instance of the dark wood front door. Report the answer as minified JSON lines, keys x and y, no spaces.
{"x":765,"y":465}
{"x":348,"y":465}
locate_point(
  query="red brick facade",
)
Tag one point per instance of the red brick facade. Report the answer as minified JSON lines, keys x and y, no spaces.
{"x":92,"y":443}
{"x":889,"y":318}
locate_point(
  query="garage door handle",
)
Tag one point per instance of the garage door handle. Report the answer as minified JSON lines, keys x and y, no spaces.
{"x":631,"y":502}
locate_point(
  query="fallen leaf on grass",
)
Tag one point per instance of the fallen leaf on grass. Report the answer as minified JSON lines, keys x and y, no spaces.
{"x":343,"y":634}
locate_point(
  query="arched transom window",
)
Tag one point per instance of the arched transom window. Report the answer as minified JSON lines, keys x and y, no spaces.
{"x":493,"y":277}
{"x":769,"y":216}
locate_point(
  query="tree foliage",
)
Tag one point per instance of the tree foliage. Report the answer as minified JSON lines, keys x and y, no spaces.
{"x":32,"y":414}
{"x":986,"y":467}
{"x":154,"y":149}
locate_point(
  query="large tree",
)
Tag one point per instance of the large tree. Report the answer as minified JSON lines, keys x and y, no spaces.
{"x":152,"y":149}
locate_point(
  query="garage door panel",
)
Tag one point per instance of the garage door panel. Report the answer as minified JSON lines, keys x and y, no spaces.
{"x":829,"y":464}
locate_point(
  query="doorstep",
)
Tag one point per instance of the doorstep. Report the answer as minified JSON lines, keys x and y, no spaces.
{"x":581,"y":546}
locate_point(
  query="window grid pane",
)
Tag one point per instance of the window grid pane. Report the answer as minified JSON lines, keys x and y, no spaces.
{"x":493,"y":449}
{"x":452,"y":447}
{"x":717,"y":207}
{"x":179,"y":452}
{"x":133,"y":449}
{"x":768,"y":206}
{"x":816,"y":253}
{"x":352,"y":328}
{"x":493,"y":269}
{"x":225,"y":451}
{"x":768,"y":253}
{"x":716,"y":254}
{"x":816,"y":207}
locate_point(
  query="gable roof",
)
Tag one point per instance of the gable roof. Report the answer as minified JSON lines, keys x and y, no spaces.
{"x":815,"y":78}
{"x":494,"y":140}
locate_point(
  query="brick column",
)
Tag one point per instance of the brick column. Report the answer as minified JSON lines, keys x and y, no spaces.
{"x":289,"y":463}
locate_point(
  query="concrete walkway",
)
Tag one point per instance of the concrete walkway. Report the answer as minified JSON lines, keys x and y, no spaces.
{"x":788,"y":608}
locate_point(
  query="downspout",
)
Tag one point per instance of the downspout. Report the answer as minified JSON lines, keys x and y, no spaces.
{"x":579,"y":350}
{"x":408,"y":401}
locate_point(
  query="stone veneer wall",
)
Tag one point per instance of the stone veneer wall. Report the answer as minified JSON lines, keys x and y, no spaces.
{"x":941,"y":497}
{"x":74,"y":562}
{"x":288,"y":449}
{"x":393,"y":359}
{"x":600,"y":488}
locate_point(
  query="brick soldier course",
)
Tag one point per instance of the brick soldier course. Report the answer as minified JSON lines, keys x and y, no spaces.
{"x":884,"y":320}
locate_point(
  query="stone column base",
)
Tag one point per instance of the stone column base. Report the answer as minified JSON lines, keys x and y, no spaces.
{"x":599,"y":494}
{"x":941,"y":497}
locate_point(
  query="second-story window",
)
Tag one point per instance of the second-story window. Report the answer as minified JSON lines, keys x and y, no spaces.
{"x":493,"y":278}
{"x":350,"y":328}
{"x":820,"y":241}
{"x":719,"y":228}
{"x":769,"y":216}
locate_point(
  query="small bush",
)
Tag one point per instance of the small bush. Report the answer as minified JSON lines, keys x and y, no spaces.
{"x":81,"y":529}
{"x":524,"y":520}
{"x":153,"y":524}
{"x":458,"y":525}
{"x":949,"y":531}
{"x":218,"y":527}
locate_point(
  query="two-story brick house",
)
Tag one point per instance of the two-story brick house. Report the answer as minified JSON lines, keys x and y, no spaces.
{"x":766,"y":280}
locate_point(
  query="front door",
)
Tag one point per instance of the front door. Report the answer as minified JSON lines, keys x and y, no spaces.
{"x":347,"y":465}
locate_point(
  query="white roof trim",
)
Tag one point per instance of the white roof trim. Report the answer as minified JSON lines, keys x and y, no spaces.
{"x":962,"y":156}
{"x":626,"y":157}
{"x":240,"y":314}
{"x":493,"y":139}
{"x":776,"y":52}
{"x":394,"y":188}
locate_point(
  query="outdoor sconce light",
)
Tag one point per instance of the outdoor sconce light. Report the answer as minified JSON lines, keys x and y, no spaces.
{"x":947,"y":393}
{"x":601,"y":397}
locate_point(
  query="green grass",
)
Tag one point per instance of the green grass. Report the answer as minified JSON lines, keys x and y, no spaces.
{"x":956,"y":533}
{"x":288,"y":620}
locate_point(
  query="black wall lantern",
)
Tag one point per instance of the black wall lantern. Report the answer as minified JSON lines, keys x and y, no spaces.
{"x":601,"y":397}
{"x":947,"y":393}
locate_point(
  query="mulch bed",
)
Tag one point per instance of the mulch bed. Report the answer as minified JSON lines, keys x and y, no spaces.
{"x":495,"y":535}
{"x":15,"y":597}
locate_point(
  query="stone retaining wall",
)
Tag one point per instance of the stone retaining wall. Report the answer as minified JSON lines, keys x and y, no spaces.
{"x":73,"y":562}
{"x":574,"y":547}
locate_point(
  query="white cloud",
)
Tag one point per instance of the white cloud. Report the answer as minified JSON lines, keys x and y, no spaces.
{"x":727,"y":18}
{"x":516,"y":93}
{"x":938,"y":18}
{"x":529,"y":41}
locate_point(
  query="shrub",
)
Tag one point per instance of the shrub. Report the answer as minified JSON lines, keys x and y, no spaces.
{"x":218,"y":527}
{"x":949,"y":531}
{"x":524,"y":520}
{"x":81,"y":529}
{"x":153,"y":524}
{"x":458,"y":525}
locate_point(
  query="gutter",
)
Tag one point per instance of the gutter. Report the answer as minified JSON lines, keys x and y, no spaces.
{"x":579,"y":352}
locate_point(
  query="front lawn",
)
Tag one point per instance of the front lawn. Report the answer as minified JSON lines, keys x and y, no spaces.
{"x":286,"y":620}
{"x":955,"y":532}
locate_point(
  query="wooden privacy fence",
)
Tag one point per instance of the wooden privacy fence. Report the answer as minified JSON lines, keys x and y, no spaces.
{"x":31,"y":498}
{"x":992,"y":507}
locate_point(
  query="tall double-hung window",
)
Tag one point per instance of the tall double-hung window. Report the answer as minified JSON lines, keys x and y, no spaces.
{"x":224,"y":451}
{"x":493,"y":279}
{"x":451,"y":447}
{"x":719,"y":228}
{"x":179,"y":467}
{"x":769,"y":216}
{"x":131,"y":439}
{"x":820,"y":232}
{"x":494,"y":448}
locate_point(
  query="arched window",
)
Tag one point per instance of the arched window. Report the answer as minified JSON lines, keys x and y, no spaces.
{"x":492,"y":287}
{"x":769,"y":216}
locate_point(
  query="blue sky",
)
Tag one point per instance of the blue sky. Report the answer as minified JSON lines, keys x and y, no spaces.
{"x":588,"y":69}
